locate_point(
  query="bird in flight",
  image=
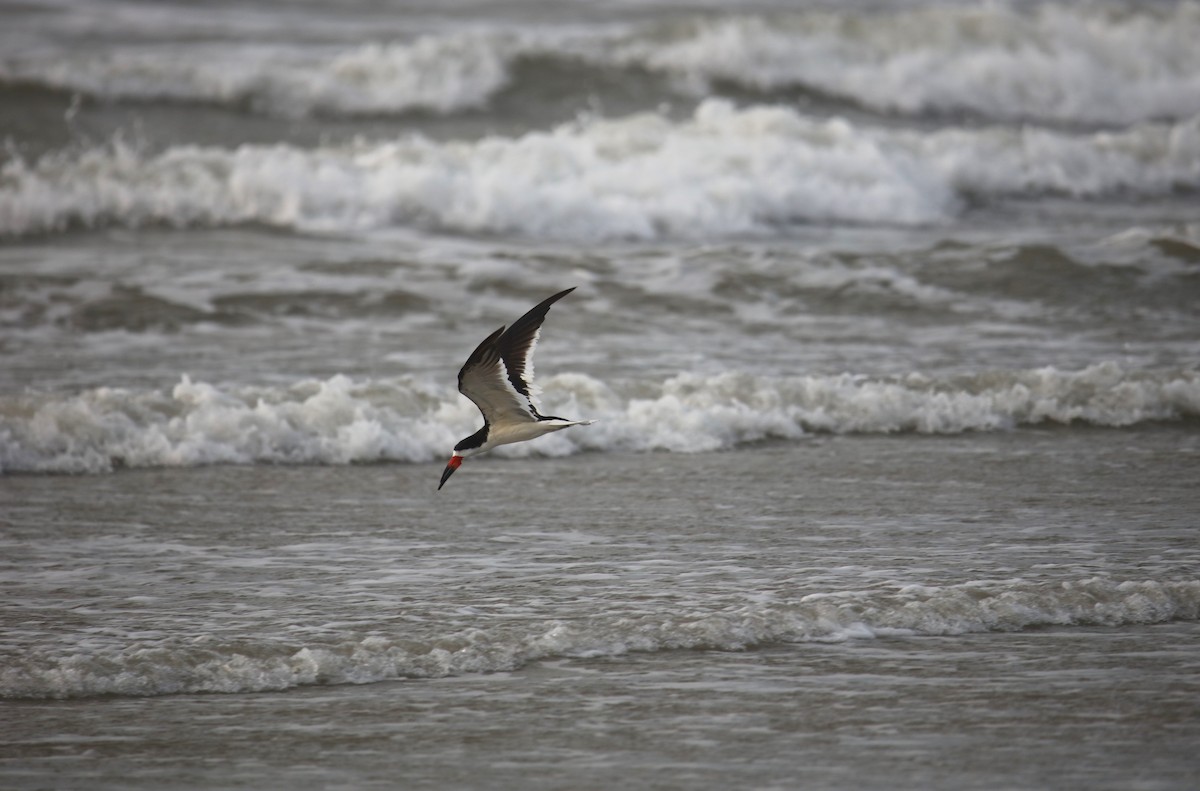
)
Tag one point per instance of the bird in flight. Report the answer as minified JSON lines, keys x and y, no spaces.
{"x":498,"y":377}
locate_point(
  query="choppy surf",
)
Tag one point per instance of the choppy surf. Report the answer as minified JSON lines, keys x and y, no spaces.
{"x":1097,"y":63}
{"x":343,"y":421}
{"x":598,"y":179}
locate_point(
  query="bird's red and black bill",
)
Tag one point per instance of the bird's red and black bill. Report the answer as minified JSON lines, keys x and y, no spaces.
{"x":452,"y":465}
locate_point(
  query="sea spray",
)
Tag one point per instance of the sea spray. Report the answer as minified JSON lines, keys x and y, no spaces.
{"x":342,"y":420}
{"x":723,"y":171}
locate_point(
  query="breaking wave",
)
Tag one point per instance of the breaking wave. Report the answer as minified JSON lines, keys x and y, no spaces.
{"x":723,"y":171}
{"x":1059,"y":62}
{"x":342,"y":421}
{"x":438,"y":74}
{"x":1065,"y":62}
{"x":207,"y":664}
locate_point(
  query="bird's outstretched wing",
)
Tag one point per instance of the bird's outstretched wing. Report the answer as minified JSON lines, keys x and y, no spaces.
{"x":498,"y":376}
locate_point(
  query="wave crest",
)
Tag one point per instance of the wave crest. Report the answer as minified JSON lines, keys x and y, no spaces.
{"x":724,"y":171}
{"x":441,"y":74}
{"x":207,"y":664}
{"x":1082,"y":63}
{"x":340,"y":421}
{"x":1091,"y":63}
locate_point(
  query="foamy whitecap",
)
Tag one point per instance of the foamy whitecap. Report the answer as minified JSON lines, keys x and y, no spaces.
{"x":1081,"y":62}
{"x":1067,"y":62}
{"x":432,"y":73}
{"x":206,"y":664}
{"x":723,"y":171}
{"x":340,"y":421}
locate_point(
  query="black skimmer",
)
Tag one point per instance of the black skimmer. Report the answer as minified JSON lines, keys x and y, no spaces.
{"x":498,"y":377}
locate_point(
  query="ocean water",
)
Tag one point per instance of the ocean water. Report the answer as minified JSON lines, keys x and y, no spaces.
{"x":888,"y":315}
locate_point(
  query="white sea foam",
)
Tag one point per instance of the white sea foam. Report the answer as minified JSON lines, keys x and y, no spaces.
{"x":207,"y":664}
{"x":1082,"y":62}
{"x":194,"y":423}
{"x":722,"y":171}
{"x":432,"y":73}
{"x":342,"y":421}
{"x":1070,"y":62}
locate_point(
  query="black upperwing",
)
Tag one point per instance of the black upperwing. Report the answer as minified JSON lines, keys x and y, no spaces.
{"x":516,"y":347}
{"x":498,"y":376}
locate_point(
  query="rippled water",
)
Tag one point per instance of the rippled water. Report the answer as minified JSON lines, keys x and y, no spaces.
{"x":819,"y":616}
